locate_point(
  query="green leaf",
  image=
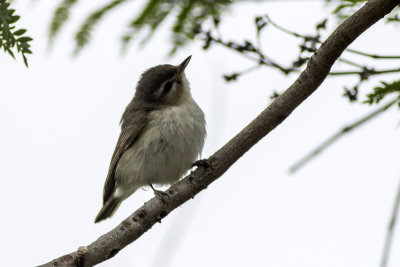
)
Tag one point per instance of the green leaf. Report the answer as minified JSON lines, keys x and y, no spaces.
{"x":82,"y":37}
{"x":382,"y":91}
{"x":60,"y":16}
{"x":14,"y":19}
{"x":146,"y":13}
{"x":24,"y":39}
{"x":20,"y":32}
{"x":11,"y":12}
{"x":25,"y":60}
{"x":11,"y":53}
{"x":9,"y":34}
{"x":339,"y":8}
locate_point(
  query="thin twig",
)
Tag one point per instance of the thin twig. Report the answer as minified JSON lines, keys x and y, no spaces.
{"x":347,"y":50}
{"x":373,"y":72}
{"x":258,"y":56}
{"x":348,"y":62}
{"x":389,"y":235}
{"x":250,"y":69}
{"x":283,"y":29}
{"x":371,"y":55}
{"x":295,"y":167}
{"x":262,"y":59}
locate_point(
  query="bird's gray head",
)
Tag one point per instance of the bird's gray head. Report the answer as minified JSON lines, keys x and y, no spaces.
{"x":163,"y":84}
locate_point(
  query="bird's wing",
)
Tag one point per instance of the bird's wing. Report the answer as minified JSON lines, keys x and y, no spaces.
{"x":129,"y":132}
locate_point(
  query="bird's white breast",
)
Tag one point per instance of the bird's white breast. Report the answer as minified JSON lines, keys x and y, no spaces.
{"x":170,"y":143}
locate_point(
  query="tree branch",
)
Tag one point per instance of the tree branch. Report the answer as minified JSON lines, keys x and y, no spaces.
{"x":295,"y":167}
{"x":154,"y":210}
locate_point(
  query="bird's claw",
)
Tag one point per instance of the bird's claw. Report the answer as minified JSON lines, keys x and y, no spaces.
{"x":204,"y":163}
{"x":161,"y":196}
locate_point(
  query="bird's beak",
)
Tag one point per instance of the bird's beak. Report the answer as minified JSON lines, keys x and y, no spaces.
{"x":184,"y":63}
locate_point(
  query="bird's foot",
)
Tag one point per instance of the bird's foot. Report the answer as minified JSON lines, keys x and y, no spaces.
{"x":160,"y":195}
{"x":204,"y":163}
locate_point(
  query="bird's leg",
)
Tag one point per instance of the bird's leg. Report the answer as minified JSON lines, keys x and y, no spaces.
{"x":204,"y":163}
{"x":160,"y":194}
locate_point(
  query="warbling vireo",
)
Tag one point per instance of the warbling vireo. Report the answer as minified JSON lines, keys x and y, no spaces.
{"x":162,"y":134}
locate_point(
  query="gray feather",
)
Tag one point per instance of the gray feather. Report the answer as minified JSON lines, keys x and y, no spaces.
{"x":129,"y":133}
{"x":108,"y":209}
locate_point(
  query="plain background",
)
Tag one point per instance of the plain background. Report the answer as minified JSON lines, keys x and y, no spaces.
{"x":60,"y":124}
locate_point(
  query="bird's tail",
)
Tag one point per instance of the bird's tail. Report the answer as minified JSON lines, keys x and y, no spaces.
{"x":108,"y":209}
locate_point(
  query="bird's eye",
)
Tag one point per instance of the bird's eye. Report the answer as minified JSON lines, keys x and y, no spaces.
{"x":167,"y":87}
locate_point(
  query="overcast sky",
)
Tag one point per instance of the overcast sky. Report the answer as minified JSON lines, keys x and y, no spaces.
{"x":60,"y":125}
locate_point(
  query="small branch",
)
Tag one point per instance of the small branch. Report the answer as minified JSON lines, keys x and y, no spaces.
{"x":371,"y":55}
{"x":295,"y":34}
{"x":261,"y":58}
{"x":351,"y":63}
{"x":235,"y":75}
{"x":295,"y":167}
{"x":318,"y":67}
{"x":373,"y":72}
{"x":389,"y":235}
{"x":256,"y":54}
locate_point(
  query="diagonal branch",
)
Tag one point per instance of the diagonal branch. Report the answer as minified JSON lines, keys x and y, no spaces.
{"x":154,"y":210}
{"x":295,"y":167}
{"x":389,"y":235}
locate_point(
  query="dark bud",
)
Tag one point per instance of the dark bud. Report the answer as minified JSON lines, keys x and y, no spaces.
{"x":248,"y":46}
{"x":365,"y":73}
{"x":207,"y":40}
{"x":216,"y":20}
{"x":197,"y":29}
{"x":260,"y":23}
{"x":304,"y":47}
{"x":235,"y":46}
{"x":274,"y":95}
{"x":299,"y":62}
{"x":351,"y":94}
{"x":231,"y":77}
{"x":321,"y":25}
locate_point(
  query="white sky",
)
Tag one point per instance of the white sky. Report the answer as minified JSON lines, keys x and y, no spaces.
{"x":60,"y":125}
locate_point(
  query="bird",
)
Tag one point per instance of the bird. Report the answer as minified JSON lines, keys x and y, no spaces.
{"x":163,"y":132}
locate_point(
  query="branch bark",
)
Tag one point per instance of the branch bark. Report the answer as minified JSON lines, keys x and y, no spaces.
{"x":318,"y":67}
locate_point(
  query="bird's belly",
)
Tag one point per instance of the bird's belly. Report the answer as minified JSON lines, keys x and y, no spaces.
{"x":165,"y":150}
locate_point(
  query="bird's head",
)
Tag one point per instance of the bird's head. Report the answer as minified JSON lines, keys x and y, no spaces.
{"x":163,"y":84}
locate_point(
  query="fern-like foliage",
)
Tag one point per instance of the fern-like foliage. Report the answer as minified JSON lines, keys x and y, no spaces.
{"x":382,"y":91}
{"x":82,"y":37}
{"x":189,"y":15}
{"x":10,"y":37}
{"x":60,"y":16}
